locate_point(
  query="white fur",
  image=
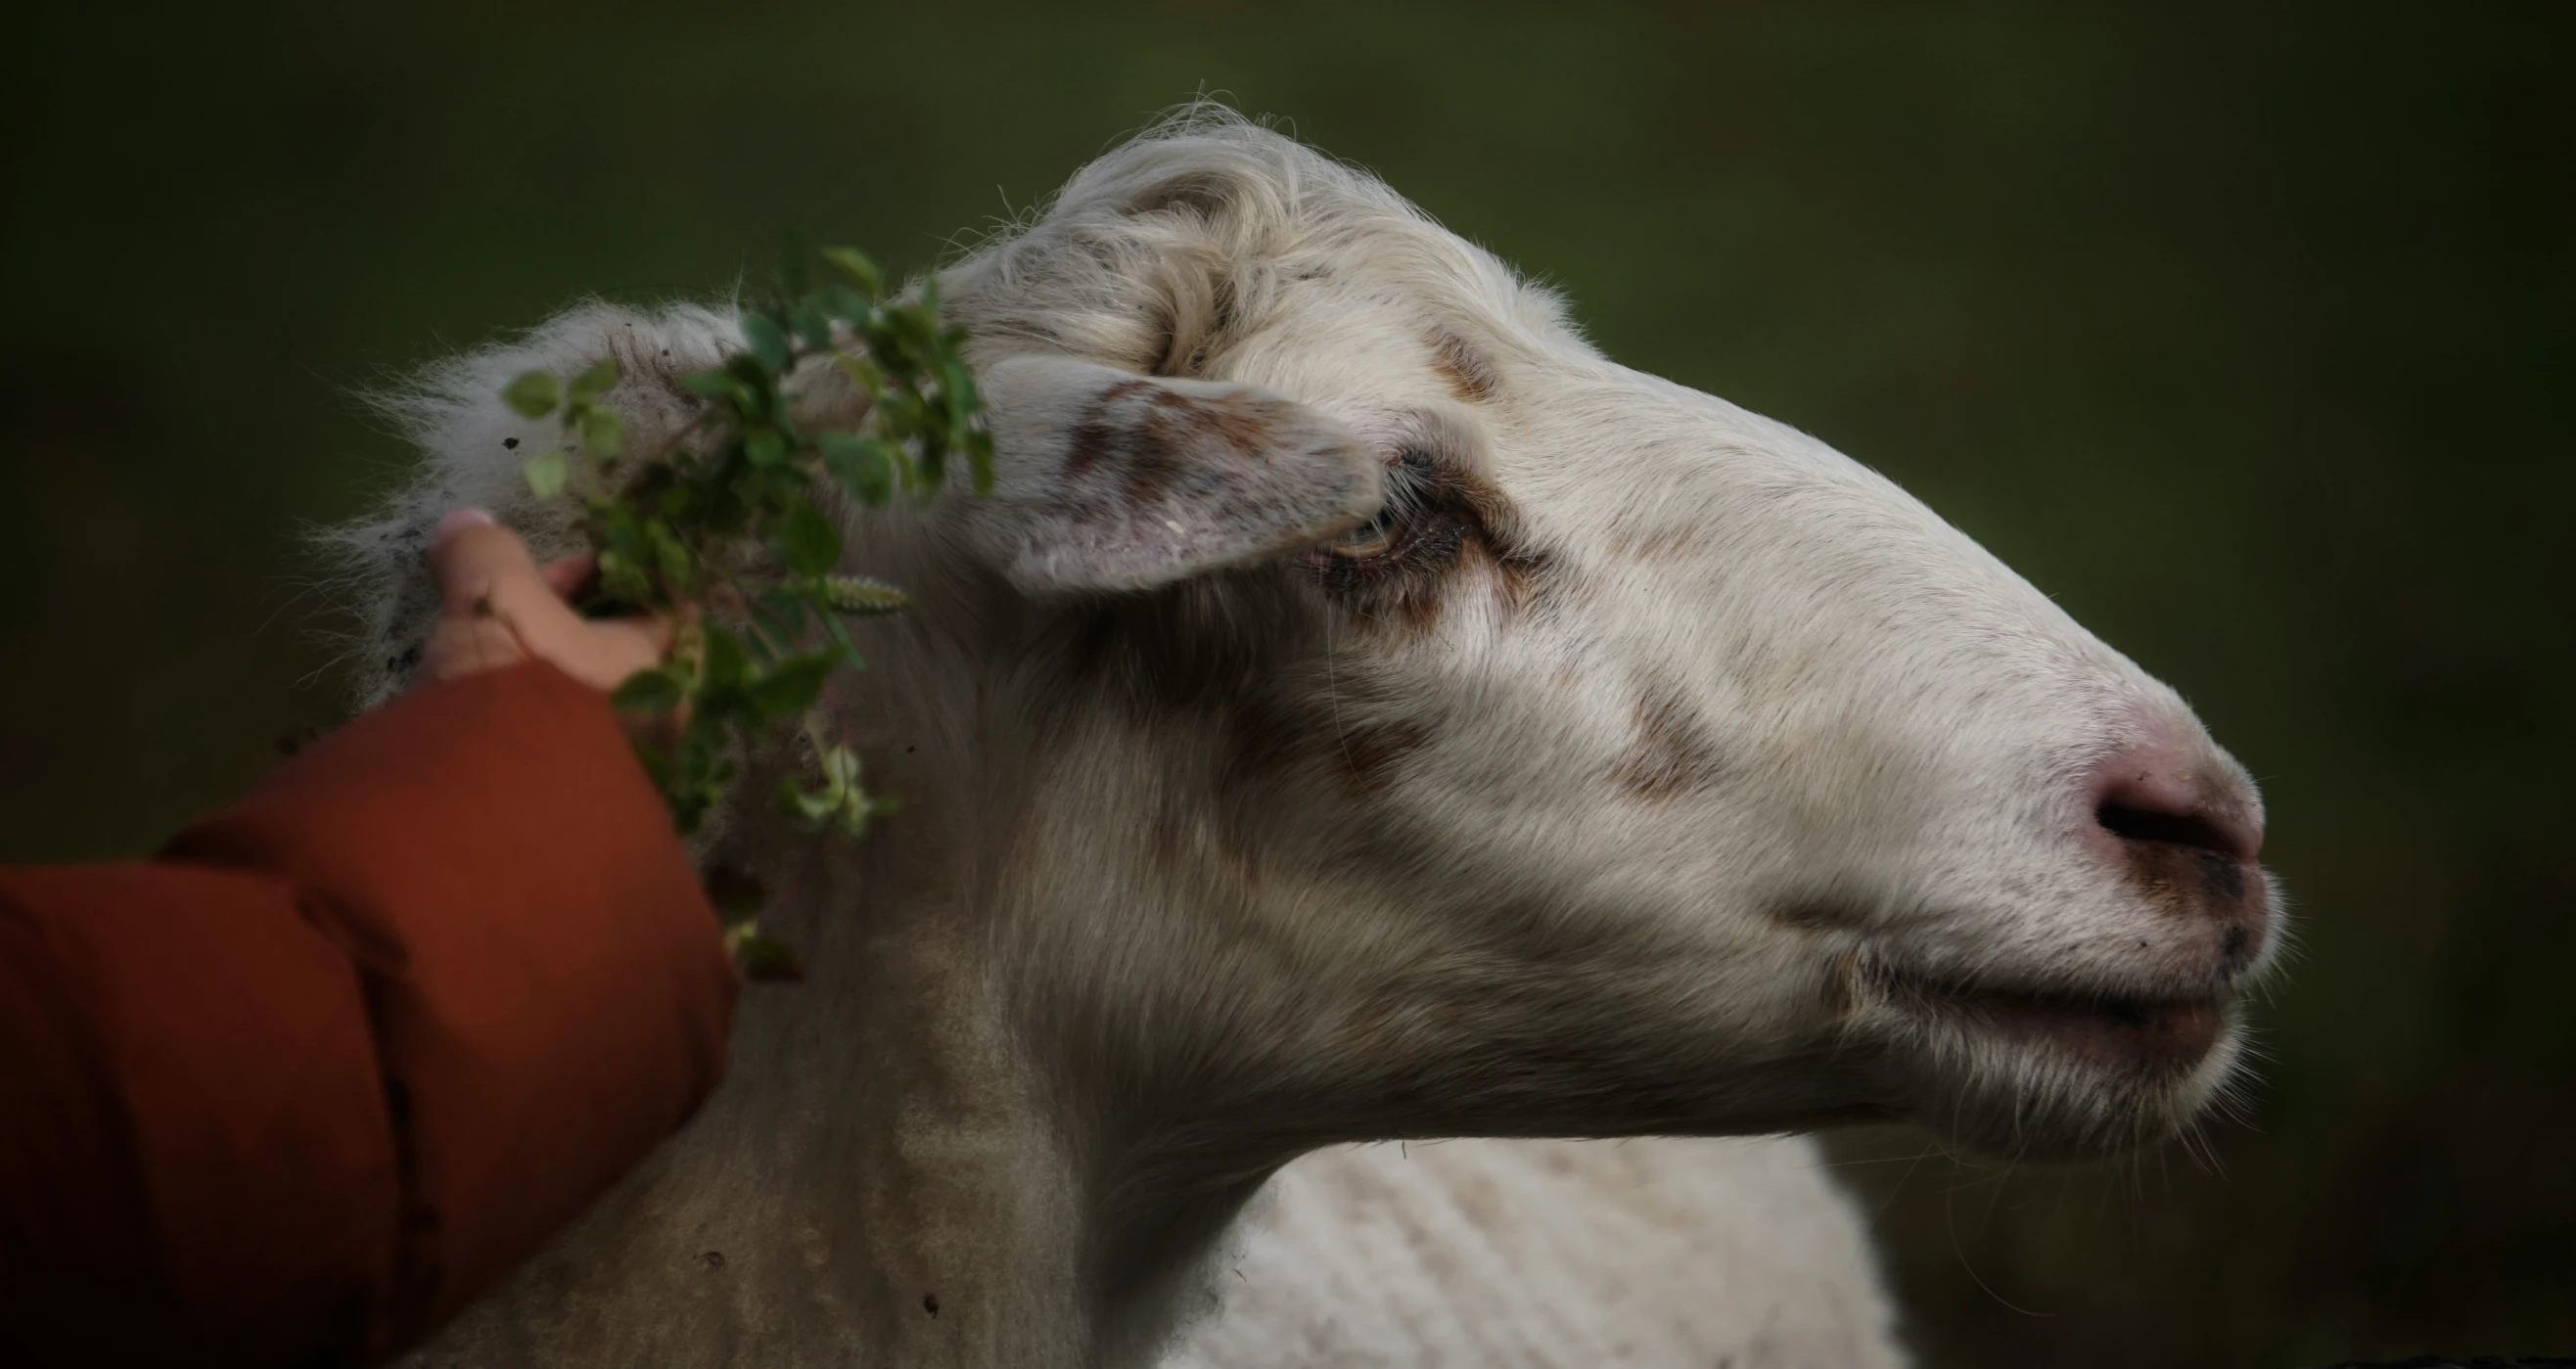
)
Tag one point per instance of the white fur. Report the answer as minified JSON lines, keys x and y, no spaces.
{"x":1617,"y":826}
{"x":1596,"y":1253}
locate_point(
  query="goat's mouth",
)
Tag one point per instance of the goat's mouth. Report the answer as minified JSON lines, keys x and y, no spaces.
{"x":2135,"y":1034}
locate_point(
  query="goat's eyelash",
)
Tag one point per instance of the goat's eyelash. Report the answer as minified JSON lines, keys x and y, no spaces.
{"x":1398,"y":522}
{"x":1417,"y":531}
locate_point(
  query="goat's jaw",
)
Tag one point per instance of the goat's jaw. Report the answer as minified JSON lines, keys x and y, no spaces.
{"x":2054,"y":1075}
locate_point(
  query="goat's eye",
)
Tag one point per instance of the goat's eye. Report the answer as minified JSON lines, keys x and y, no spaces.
{"x":1399,"y":519}
{"x":1371,"y":539}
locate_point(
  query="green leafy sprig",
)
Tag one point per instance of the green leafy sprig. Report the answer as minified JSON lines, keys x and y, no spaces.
{"x":715,"y":529}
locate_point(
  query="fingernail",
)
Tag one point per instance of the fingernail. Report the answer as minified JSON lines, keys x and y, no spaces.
{"x":459,"y":521}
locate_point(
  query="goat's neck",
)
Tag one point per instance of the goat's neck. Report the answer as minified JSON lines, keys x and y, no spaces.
{"x":897,"y":1172}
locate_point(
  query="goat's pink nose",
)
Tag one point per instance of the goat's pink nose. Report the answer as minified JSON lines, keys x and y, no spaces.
{"x":2169,"y":789}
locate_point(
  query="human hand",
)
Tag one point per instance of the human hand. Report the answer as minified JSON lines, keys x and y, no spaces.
{"x":500,"y":608}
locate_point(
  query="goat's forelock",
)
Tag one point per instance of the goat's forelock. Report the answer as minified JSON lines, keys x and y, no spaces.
{"x":1169,"y":249}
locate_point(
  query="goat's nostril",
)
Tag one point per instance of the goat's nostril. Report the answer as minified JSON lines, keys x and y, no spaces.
{"x":2168,"y":789}
{"x":2178,"y":829}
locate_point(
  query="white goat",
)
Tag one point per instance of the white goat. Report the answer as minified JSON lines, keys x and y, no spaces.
{"x":1364,"y":712}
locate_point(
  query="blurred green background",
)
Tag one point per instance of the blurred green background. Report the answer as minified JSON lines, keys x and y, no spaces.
{"x":2244,"y":333}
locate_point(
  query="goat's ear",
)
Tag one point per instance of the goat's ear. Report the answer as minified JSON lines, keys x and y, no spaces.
{"x":1106,"y":481}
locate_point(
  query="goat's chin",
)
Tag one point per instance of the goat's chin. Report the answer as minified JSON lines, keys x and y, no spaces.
{"x":2077,"y":1090}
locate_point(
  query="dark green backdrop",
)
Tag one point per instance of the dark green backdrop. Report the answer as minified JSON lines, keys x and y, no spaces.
{"x":2244,"y":334}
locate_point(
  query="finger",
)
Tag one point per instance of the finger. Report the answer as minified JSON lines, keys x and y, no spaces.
{"x":619,"y":647}
{"x":566,"y":575}
{"x":651,"y":630}
{"x":469,"y":554}
{"x":460,"y":645}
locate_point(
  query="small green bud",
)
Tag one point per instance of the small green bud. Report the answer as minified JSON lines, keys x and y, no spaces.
{"x":859,"y":594}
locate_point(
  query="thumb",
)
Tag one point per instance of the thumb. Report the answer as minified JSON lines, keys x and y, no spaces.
{"x":469,"y":554}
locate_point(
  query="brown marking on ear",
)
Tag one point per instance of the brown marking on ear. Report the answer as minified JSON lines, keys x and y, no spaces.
{"x":1671,"y":754}
{"x":1371,"y":753}
{"x":1095,"y":437}
{"x":1156,"y":448}
{"x":1470,"y":376}
{"x":1231,"y":419}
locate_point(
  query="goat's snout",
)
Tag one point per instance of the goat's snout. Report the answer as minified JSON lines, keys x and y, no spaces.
{"x":2186,"y":828}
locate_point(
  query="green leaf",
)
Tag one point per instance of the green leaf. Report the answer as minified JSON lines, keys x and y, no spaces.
{"x":768,"y":342}
{"x":861,"y":465}
{"x":622,"y":580}
{"x":765,"y":959}
{"x":710,"y":384}
{"x":814,"y":809}
{"x":648,"y":691}
{"x":855,"y":264}
{"x":794,"y":685}
{"x":958,"y":385}
{"x":533,"y":395}
{"x":547,"y":473}
{"x":810,"y":324}
{"x":603,"y":433}
{"x":596,"y":381}
{"x":671,"y":557}
{"x":843,"y":303}
{"x":809,"y":542}
{"x":764,"y":448}
{"x":726,"y":665}
{"x":979,"y":460}
{"x":781,"y":611}
{"x":841,"y":641}
{"x":863,"y":371}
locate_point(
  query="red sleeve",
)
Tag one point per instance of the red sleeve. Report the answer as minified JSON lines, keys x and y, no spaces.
{"x":351,"y":1050}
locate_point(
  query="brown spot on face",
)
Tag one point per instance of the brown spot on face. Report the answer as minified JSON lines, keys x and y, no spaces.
{"x":2202,"y":886}
{"x":1204,"y":838}
{"x":1841,"y":987}
{"x":1372,"y":753}
{"x":1671,"y":753}
{"x":1459,"y":527}
{"x":1817,"y":915}
{"x":2220,"y":878}
{"x":1661,"y":542}
{"x":1523,"y":570}
{"x":1468,"y":374}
